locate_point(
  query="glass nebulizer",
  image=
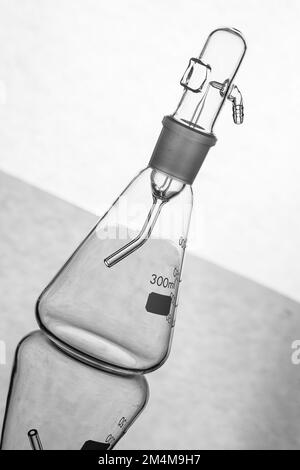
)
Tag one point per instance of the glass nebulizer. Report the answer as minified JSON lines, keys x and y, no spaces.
{"x":56,"y":402}
{"x":113,"y":303}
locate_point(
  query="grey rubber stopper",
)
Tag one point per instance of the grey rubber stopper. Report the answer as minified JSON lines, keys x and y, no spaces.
{"x":180,"y":150}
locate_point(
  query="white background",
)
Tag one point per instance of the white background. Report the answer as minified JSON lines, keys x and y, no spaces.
{"x":85,"y":84}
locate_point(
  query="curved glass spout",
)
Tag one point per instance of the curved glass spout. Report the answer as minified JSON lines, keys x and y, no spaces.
{"x":163,"y":189}
{"x":142,"y":237}
{"x":208,"y":80}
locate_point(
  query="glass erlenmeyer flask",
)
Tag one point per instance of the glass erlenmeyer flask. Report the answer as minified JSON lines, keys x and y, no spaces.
{"x":114,"y":301}
{"x":57,"y":402}
{"x":122,"y":315}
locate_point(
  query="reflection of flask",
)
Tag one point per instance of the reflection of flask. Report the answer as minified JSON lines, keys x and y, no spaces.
{"x":56,"y":402}
{"x":113,"y":303}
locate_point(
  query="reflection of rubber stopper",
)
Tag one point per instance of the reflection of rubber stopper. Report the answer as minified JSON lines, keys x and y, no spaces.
{"x":158,"y":303}
{"x":34,"y":439}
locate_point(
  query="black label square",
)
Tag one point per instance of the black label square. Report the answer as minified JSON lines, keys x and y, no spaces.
{"x":159,"y":304}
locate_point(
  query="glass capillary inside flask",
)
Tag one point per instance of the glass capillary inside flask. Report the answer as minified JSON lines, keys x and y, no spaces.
{"x":113,"y":303}
{"x":163,"y":189}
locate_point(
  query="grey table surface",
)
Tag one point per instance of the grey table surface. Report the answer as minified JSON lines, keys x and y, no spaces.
{"x":229,"y":382}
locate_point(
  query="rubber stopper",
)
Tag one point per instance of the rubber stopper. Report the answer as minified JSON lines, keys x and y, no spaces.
{"x":180,"y":150}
